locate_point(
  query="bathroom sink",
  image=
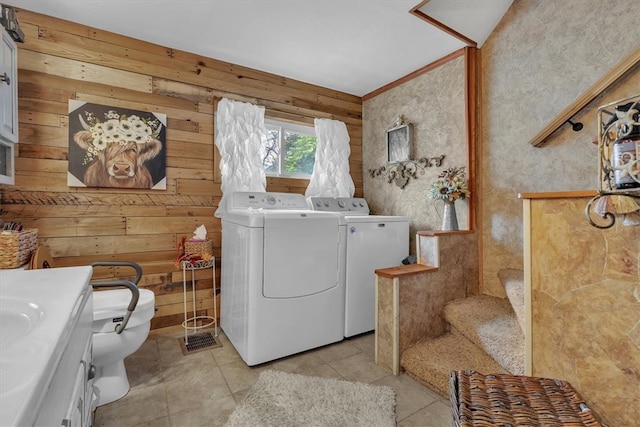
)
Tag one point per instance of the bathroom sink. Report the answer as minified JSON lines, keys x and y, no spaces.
{"x":39,"y":311}
{"x":17,"y":319}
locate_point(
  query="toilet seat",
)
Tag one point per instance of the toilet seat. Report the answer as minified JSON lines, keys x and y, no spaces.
{"x":110,"y":307}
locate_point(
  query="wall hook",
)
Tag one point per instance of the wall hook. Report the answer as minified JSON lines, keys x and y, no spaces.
{"x":577,"y":127}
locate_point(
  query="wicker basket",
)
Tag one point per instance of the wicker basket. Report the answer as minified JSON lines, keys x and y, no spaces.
{"x":16,"y":247}
{"x":515,"y":400}
{"x":198,"y":247}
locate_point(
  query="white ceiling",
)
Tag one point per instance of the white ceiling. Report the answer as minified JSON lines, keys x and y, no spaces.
{"x":354,"y":46}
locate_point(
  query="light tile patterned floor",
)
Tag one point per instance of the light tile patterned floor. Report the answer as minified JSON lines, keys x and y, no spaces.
{"x":169,"y":389}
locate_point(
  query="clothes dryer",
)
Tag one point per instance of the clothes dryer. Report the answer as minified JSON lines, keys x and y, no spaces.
{"x":368,"y":242}
{"x":281,"y":292}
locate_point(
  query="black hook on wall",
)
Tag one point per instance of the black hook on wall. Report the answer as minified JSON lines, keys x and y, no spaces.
{"x":577,"y":127}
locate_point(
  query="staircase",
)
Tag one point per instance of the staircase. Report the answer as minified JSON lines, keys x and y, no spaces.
{"x":485,"y":333}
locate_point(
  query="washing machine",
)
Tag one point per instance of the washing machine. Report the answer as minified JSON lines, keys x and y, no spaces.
{"x":281,"y":291}
{"x":369,"y":242}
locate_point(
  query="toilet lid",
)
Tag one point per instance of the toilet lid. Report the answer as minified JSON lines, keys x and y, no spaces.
{"x":41,"y":258}
{"x":114,"y":303}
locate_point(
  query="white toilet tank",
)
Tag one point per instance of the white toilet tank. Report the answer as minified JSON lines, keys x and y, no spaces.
{"x":110,"y":307}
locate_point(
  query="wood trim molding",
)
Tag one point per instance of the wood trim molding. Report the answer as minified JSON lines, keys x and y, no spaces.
{"x":558,"y":195}
{"x":417,"y":12}
{"x":414,"y":74}
{"x":589,"y":95}
{"x":472,"y":90}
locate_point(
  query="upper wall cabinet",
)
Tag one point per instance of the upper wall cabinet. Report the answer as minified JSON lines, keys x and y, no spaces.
{"x":8,"y":89}
{"x":8,"y":107}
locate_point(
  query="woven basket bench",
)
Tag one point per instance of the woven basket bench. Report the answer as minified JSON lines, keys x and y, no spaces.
{"x":515,"y":400}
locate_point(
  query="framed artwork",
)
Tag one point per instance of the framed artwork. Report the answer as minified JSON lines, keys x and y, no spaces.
{"x":116,"y":147}
{"x":399,"y":141}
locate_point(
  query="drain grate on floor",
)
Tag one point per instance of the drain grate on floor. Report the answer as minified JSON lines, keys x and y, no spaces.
{"x":198,"y":342}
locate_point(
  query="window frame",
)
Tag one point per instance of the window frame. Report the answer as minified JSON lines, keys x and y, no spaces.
{"x":283,"y":126}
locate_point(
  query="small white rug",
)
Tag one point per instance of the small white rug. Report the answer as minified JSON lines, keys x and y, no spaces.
{"x":282,"y":399}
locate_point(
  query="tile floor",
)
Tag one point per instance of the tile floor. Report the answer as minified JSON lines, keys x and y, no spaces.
{"x":203,"y":388}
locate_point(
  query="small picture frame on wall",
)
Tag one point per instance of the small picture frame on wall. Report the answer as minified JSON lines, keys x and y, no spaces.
{"x":399,"y":140}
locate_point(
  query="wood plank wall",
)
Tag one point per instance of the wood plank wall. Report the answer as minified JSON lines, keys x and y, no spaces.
{"x":61,"y":60}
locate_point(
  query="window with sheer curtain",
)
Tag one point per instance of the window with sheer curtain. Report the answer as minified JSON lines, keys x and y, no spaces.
{"x":289,"y":150}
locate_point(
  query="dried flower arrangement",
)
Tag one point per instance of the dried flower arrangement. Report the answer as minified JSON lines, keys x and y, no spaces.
{"x":452,"y":185}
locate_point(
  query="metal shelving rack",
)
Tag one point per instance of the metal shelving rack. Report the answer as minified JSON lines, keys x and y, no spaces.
{"x":211,"y":321}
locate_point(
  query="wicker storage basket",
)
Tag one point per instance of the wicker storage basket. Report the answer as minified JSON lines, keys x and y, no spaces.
{"x":198,"y":247}
{"x":16,"y":247}
{"x":515,"y":400}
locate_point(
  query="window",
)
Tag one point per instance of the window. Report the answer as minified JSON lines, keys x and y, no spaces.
{"x":289,"y":150}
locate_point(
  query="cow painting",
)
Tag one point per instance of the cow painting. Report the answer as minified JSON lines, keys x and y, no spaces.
{"x":118,"y":149}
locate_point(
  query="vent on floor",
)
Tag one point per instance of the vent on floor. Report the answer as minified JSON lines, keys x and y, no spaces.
{"x":198,"y":342}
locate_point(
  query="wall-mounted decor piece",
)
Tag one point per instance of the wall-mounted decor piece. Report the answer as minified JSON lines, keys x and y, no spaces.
{"x":116,"y":147}
{"x":400,"y":173}
{"x":399,"y":141}
{"x":619,"y":165}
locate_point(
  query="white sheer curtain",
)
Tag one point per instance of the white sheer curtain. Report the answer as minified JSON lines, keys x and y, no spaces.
{"x":239,"y":133}
{"x":330,"y":177}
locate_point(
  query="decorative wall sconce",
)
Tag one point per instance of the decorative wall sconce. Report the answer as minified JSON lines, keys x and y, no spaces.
{"x":400,"y":167}
{"x":400,"y":173}
{"x":619,"y":165}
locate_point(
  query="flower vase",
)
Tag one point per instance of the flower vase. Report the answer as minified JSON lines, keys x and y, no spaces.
{"x":449,"y":217}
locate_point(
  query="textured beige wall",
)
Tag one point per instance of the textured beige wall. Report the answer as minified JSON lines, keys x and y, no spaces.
{"x":540,"y":58}
{"x":585,"y":317}
{"x":434,"y":103}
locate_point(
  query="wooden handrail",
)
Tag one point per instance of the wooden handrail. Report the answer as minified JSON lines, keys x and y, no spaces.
{"x":598,"y":87}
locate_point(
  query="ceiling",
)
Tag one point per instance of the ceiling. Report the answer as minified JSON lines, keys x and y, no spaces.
{"x":354,"y":46}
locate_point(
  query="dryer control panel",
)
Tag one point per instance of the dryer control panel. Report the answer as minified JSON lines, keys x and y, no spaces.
{"x":266,"y":200}
{"x":339,"y":204}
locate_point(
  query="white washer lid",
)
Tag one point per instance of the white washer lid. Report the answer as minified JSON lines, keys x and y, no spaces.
{"x":375,"y":218}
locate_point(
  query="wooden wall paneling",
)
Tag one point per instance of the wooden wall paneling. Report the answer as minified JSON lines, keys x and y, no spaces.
{"x":198,"y":187}
{"x":147,"y":260}
{"x":61,"y":60}
{"x":35,"y":165}
{"x":42,"y":152}
{"x":37,"y":93}
{"x":149,"y":225}
{"x":105,"y":245}
{"x":77,"y":226}
{"x":186,"y":163}
{"x":62,"y":67}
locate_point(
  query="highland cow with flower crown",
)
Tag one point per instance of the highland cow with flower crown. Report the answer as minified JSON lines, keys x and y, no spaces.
{"x":118,"y":148}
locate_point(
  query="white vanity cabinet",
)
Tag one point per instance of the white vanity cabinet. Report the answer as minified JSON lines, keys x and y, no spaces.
{"x":68,"y":399}
{"x":45,"y":357}
{"x":8,"y":106}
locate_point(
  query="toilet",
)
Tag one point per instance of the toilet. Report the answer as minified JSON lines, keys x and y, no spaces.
{"x":110,"y":348}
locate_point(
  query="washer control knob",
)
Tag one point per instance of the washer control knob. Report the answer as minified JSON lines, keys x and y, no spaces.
{"x":326,"y":204}
{"x":341,"y":203}
{"x":271,"y":200}
{"x":318,"y":203}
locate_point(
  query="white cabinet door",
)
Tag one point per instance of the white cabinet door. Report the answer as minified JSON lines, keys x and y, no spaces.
{"x":8,"y":88}
{"x":6,"y":163}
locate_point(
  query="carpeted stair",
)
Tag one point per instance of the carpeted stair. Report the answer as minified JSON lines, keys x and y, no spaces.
{"x":430,"y":362}
{"x":513,"y":282}
{"x":484,"y":335}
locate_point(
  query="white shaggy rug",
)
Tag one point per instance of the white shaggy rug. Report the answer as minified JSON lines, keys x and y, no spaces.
{"x":282,"y":399}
